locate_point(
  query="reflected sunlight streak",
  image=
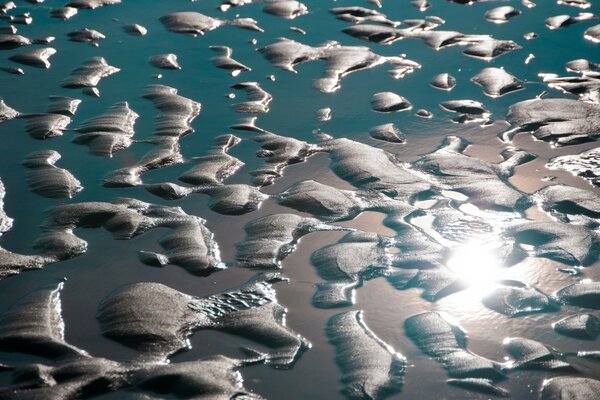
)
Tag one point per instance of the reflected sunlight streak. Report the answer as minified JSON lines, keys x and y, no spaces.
{"x":478,"y":264}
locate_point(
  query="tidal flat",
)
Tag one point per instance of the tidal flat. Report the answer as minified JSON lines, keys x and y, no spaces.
{"x":266,"y":199}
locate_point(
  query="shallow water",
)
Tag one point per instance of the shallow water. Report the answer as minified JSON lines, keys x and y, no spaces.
{"x":383,"y":188}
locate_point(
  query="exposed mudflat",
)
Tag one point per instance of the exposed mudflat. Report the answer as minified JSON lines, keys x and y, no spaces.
{"x":317,"y":199}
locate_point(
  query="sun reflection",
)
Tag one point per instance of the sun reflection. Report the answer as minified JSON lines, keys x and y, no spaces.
{"x":478,"y":264}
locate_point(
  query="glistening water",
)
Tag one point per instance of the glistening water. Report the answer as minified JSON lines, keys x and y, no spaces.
{"x":221,"y":199}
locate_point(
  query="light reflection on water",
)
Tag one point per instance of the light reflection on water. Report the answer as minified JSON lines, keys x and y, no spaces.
{"x":478,"y":264}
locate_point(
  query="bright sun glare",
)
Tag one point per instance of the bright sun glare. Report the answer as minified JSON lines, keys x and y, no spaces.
{"x":477,"y":264}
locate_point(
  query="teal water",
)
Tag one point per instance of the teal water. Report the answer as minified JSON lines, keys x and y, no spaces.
{"x":108,"y":264}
